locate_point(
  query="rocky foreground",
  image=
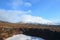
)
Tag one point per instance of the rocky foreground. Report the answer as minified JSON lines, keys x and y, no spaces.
{"x":48,"y":32}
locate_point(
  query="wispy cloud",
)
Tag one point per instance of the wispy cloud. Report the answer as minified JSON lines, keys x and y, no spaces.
{"x":18,"y":3}
{"x":27,"y":4}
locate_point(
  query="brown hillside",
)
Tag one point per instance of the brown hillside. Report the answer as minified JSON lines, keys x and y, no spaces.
{"x":23,"y":25}
{"x":39,"y":30}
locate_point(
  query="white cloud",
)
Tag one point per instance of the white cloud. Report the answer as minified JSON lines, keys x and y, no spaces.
{"x":21,"y":16}
{"x":27,"y":4}
{"x":11,"y":15}
{"x":30,"y":11}
{"x":15,"y":4}
{"x":35,"y":19}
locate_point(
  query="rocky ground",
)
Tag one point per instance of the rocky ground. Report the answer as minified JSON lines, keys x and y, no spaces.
{"x":48,"y":32}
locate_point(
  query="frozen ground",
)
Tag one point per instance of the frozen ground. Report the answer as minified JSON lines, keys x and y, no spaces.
{"x":23,"y":37}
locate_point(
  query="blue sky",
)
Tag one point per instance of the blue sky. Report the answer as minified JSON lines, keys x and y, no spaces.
{"x":47,"y":10}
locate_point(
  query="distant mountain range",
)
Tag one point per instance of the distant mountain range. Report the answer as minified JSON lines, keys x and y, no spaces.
{"x":8,"y":24}
{"x":30,"y":23}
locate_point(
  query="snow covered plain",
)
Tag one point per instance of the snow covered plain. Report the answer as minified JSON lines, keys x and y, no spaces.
{"x":23,"y":37}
